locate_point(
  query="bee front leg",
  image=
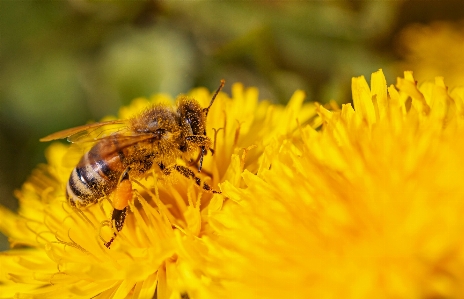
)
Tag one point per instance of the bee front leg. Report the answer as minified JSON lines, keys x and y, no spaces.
{"x":122,"y":195}
{"x":188,"y":173}
{"x":203,"y":142}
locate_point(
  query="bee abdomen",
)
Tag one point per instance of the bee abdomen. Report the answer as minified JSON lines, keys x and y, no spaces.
{"x":89,"y":182}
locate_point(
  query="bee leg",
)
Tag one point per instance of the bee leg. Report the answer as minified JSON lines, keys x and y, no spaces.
{"x":122,"y":195}
{"x":203,"y":153}
{"x":202,"y":141}
{"x":117,"y":219}
{"x":188,"y":173}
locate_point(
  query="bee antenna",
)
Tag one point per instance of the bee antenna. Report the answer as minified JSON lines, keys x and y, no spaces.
{"x":206,"y":110}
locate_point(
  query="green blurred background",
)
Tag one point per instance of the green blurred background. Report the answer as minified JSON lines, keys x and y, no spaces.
{"x":64,"y":63}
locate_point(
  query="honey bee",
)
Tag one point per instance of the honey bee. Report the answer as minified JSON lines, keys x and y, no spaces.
{"x":155,"y":138}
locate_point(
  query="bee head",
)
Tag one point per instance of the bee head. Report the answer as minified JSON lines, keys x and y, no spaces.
{"x":191,"y":113}
{"x":194,"y":117}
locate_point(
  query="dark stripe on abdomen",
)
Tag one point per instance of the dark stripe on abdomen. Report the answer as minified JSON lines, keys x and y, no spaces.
{"x":78,"y":192}
{"x":105,"y":169}
{"x":96,"y":174}
{"x":73,"y":188}
{"x":87,"y":179}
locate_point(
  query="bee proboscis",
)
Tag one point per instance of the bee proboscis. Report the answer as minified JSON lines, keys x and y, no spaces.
{"x":129,"y":148}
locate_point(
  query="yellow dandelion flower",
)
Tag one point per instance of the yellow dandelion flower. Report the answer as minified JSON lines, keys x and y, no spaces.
{"x":434,"y":49}
{"x":57,"y":252}
{"x":369,"y":206}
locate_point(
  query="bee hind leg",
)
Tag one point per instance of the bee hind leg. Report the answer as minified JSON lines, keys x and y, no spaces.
{"x":118,"y":217}
{"x":122,"y":195}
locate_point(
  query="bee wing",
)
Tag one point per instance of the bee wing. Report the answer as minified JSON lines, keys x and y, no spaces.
{"x":77,"y":150}
{"x":74,"y":153}
{"x":90,"y":132}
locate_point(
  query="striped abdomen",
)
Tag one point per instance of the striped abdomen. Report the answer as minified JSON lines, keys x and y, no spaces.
{"x":97,"y":173}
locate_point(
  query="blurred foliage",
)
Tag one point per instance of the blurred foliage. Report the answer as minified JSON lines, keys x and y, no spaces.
{"x":434,"y":50}
{"x":63,"y":63}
